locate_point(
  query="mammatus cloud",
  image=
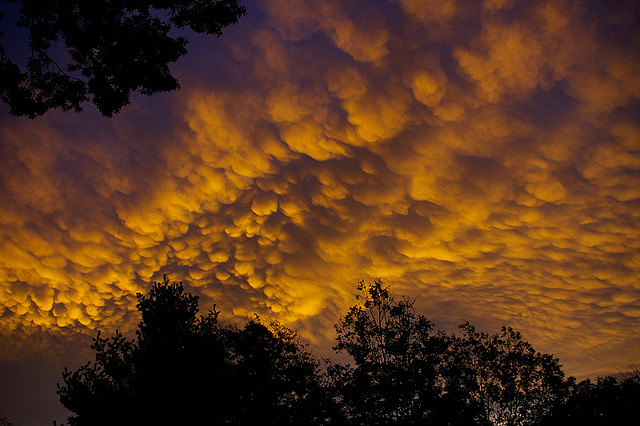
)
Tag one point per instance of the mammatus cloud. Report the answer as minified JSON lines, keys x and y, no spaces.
{"x":482,"y":157}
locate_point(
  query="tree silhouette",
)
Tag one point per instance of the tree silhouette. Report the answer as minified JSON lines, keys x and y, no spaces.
{"x":187,"y":369}
{"x":113,"y":48}
{"x":608,"y":401}
{"x":394,"y":378}
{"x":279,"y":378}
{"x":405,"y":373}
{"x":501,"y":379}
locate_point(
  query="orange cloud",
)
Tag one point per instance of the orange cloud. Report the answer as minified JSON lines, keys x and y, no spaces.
{"x":482,"y":158}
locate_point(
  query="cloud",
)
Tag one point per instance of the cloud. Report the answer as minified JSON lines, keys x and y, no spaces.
{"x":482,"y":158}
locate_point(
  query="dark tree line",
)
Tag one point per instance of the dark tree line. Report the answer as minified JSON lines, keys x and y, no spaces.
{"x":186,"y":368}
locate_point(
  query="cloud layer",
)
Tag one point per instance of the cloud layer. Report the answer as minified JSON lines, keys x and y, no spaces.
{"x":483,"y":157}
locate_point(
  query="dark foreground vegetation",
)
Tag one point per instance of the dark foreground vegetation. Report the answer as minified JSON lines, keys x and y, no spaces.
{"x":189,"y":369}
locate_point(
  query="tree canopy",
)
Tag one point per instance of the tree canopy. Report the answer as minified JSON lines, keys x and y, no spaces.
{"x":405,"y":373}
{"x":395,"y":353}
{"x":111,"y":49}
{"x":186,"y":368}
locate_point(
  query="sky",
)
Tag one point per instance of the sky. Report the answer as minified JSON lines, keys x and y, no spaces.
{"x":481,"y":157}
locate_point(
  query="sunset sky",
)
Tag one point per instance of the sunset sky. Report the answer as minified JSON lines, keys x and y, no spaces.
{"x":482,"y":157}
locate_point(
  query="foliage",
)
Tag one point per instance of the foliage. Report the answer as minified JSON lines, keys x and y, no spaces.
{"x":113,"y":48}
{"x":405,"y":373}
{"x":394,"y":376}
{"x":278,"y":378}
{"x":608,"y":401}
{"x":500,"y":379}
{"x":188,"y":369}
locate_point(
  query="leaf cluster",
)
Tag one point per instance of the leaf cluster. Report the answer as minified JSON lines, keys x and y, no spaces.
{"x":103,"y":50}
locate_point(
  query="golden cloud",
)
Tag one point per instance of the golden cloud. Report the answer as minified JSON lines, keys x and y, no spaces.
{"x":483,"y":158}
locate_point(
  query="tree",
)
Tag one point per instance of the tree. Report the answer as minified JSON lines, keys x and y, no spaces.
{"x":142,"y":381}
{"x":608,"y":401}
{"x":186,"y":368}
{"x":500,"y":379}
{"x":183,"y":368}
{"x":394,"y":378}
{"x":405,"y":373}
{"x":113,"y":48}
{"x":279,"y":378}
